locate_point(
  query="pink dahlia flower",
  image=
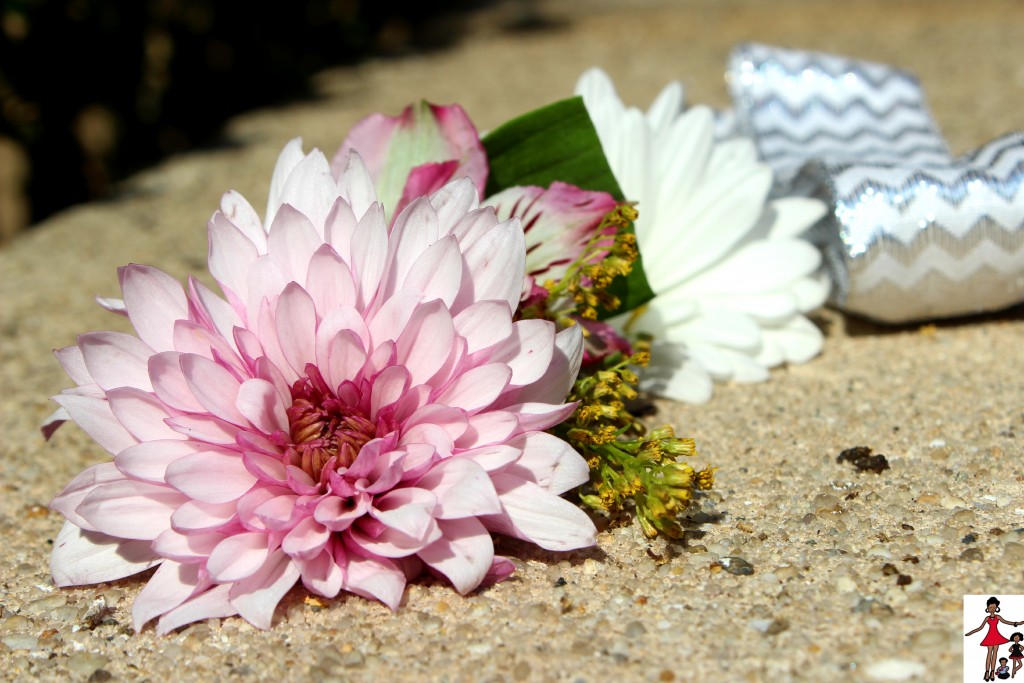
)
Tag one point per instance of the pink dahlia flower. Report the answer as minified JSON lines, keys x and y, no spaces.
{"x":359,"y":407}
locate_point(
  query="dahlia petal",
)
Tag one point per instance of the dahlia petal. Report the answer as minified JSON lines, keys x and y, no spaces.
{"x":85,"y":557}
{"x":114,"y":359}
{"x":492,"y":458}
{"x":501,"y":569}
{"x":78,"y":488}
{"x":154,"y":301}
{"x":52,"y":422}
{"x":549,"y":462}
{"x":148,"y":461}
{"x":464,"y":553}
{"x":306,"y":539}
{"x":310,"y":189}
{"x":414,"y":230}
{"x":238,"y":556}
{"x":356,"y":185}
{"x":462,"y":488}
{"x":533,"y":514}
{"x":527,"y":351}
{"x":267,"y":279}
{"x":190,"y":337}
{"x":292,"y":241}
{"x":393,"y":544}
{"x":296,"y":327}
{"x":484,"y":429}
{"x":329,"y":281}
{"x":259,"y":401}
{"x":290,"y":157}
{"x":437,"y":273}
{"x":211,"y":477}
{"x":474,"y":226}
{"x":210,"y":604}
{"x":265,"y":468}
{"x":169,"y":383}
{"x":338,"y":514}
{"x":243,"y":216}
{"x":213,"y":386}
{"x":453,"y":201}
{"x":388,"y":387}
{"x":95,"y":417}
{"x":189,"y":548}
{"x":560,"y":374}
{"x":321,"y":574}
{"x":483,"y":324}
{"x":111,"y":304}
{"x":394,"y":314}
{"x":73,"y":362}
{"x":408,"y":511}
{"x":141,"y":413}
{"x":257,"y":597}
{"x":369,"y":252}
{"x":477,"y":388}
{"x":196,"y":515}
{"x":278,"y":513}
{"x":425,"y":343}
{"x":231,"y":254}
{"x":374,"y":578}
{"x":172,"y":584}
{"x":205,"y":428}
{"x":536,"y":417}
{"x":214,"y":311}
{"x":130,"y":509}
{"x":342,"y":359}
{"x":338,"y":229}
{"x":489,"y":263}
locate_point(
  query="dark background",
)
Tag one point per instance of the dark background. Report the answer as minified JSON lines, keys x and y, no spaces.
{"x":91,"y":90}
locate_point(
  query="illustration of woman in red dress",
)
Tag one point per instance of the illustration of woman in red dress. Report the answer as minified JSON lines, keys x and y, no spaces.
{"x":993,"y":639}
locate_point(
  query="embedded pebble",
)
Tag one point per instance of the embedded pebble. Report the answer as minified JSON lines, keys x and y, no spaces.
{"x":972,"y":555}
{"x":635,"y":629}
{"x":1013,"y":552}
{"x":43,"y":605}
{"x":20,"y":641}
{"x":737,"y":565}
{"x":895,"y":670}
{"x":16,"y":623}
{"x":85,"y":664}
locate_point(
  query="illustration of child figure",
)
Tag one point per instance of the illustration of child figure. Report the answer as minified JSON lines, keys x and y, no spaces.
{"x":1016,"y":651}
{"x":1003,"y":671}
{"x":993,"y":639}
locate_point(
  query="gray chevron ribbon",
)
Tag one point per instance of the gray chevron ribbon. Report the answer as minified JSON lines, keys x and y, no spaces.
{"x":912,"y":233}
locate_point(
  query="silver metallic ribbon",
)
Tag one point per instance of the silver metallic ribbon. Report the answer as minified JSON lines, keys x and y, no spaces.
{"x":912,"y":233}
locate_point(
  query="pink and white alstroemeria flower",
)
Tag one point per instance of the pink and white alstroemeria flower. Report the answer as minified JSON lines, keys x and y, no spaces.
{"x":358,"y":407}
{"x":428,"y":145}
{"x":415,"y":153}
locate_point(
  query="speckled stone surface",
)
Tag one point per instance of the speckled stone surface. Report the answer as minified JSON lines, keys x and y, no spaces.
{"x":855,"y":575}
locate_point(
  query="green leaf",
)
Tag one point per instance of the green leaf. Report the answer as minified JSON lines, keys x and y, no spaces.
{"x":558,"y":142}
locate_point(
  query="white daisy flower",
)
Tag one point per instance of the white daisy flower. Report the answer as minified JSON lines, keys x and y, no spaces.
{"x":731,"y":274}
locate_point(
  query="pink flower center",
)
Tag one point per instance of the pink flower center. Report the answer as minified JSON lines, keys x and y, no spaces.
{"x":322,"y":427}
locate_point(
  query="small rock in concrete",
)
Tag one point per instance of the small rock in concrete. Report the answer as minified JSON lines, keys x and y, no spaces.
{"x":895,"y":670}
